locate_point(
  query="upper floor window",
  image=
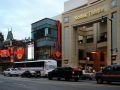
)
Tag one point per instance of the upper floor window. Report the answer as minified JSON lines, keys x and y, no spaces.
{"x":103,"y":37}
{"x":80,"y":39}
{"x":66,"y":19}
{"x":89,"y":39}
{"x":46,"y":31}
{"x":114,"y":3}
{"x":81,"y":54}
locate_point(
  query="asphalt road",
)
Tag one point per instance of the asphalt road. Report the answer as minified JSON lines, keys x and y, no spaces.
{"x":18,"y":83}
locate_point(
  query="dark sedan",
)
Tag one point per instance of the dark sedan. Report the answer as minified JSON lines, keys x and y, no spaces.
{"x":65,"y":72}
{"x":108,"y":74}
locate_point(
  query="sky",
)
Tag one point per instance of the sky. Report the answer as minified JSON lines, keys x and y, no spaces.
{"x":20,"y":14}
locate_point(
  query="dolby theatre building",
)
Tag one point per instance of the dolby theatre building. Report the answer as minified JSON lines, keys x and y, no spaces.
{"x":91,"y":33}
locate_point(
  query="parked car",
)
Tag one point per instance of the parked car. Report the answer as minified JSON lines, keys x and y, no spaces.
{"x":108,"y":74}
{"x":31,"y":74}
{"x":12,"y":72}
{"x":65,"y":72}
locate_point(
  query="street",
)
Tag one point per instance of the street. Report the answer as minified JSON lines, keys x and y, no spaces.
{"x":18,"y":83}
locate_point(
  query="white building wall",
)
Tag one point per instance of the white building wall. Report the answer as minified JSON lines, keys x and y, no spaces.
{"x":58,"y":17}
{"x":71,"y":4}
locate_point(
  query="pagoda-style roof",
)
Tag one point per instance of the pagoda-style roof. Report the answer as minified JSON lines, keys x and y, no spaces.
{"x":10,"y":36}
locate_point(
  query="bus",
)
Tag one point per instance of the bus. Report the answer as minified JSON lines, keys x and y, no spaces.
{"x":44,"y":66}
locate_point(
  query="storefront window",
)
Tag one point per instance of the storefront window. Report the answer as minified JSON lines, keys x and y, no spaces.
{"x":91,"y":56}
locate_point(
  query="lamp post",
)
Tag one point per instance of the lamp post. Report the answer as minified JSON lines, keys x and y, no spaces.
{"x":103,"y":18}
{"x":87,"y":60}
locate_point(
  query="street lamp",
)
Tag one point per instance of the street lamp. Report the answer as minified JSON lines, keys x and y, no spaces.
{"x":104,"y":18}
{"x":87,"y":60}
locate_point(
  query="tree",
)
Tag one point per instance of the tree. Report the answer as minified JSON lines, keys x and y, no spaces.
{"x":1,"y":37}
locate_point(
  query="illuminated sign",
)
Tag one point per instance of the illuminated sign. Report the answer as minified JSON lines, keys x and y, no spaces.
{"x":20,"y":53}
{"x":12,"y":54}
{"x":4,"y":53}
{"x":90,"y":13}
{"x":57,"y":55}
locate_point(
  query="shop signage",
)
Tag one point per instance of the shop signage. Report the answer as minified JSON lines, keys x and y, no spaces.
{"x":89,"y":13}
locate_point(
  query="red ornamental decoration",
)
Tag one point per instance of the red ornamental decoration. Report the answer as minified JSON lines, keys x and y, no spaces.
{"x":57,"y":55}
{"x":19,"y":53}
{"x":4,"y":53}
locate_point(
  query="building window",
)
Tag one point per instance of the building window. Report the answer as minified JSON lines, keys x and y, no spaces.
{"x":53,"y":33}
{"x":46,"y":31}
{"x":102,"y":56}
{"x":80,"y":39}
{"x":114,"y":32}
{"x":66,"y":19}
{"x":114,"y":3}
{"x":89,"y":39}
{"x":103,"y":37}
{"x":81,"y":54}
{"x":91,"y":56}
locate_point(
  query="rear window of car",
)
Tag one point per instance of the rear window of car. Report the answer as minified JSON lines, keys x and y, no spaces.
{"x":116,"y":68}
{"x":67,"y":68}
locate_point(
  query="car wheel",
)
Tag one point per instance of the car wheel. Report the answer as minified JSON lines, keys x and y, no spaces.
{"x":29,"y":76}
{"x":4,"y":74}
{"x":50,"y":78}
{"x":108,"y":82}
{"x":76,"y":79}
{"x":99,"y":81}
{"x":59,"y":78}
{"x":9,"y":75}
{"x":67,"y":79}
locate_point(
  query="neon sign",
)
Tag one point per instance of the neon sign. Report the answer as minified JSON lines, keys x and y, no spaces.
{"x":12,"y":54}
{"x":20,"y":53}
{"x":4,"y":53}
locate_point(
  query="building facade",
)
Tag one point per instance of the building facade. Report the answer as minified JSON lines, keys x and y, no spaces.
{"x":90,"y":34}
{"x":12,"y":51}
{"x":46,"y":36}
